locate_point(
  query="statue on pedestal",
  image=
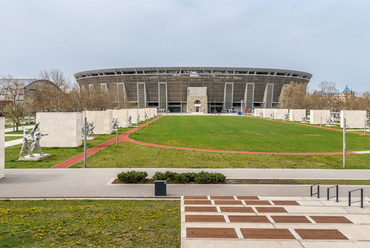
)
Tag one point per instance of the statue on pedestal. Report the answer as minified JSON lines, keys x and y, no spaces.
{"x":89,"y":129}
{"x":115,"y":123}
{"x":25,"y":145}
{"x":36,"y":140}
{"x":34,"y":136}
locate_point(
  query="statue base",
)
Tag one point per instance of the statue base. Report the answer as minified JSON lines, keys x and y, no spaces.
{"x":89,"y":138}
{"x":36,"y":157}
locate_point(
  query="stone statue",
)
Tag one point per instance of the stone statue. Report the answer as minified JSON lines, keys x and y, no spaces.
{"x":286,"y":116}
{"x":330,"y":121}
{"x":35,"y":137}
{"x":304,"y":118}
{"x":89,"y":129}
{"x":115,"y":123}
{"x":26,"y":138}
{"x":36,"y":140}
{"x":129,"y":119}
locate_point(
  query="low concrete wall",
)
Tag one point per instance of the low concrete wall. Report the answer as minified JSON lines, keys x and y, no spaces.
{"x":315,"y":116}
{"x":354,"y":118}
{"x":269,"y":113}
{"x":133,"y":113}
{"x":122,"y":115}
{"x":102,"y":121}
{"x":257,"y":112}
{"x":64,"y":129}
{"x":279,"y":113}
{"x":2,"y":147}
{"x":142,"y":112}
{"x":296,"y":114}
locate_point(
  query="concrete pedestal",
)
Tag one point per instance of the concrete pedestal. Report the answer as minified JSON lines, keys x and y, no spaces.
{"x":36,"y":157}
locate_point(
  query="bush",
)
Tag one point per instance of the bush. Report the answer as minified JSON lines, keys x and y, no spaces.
{"x":207,"y":177}
{"x":201,"y":177}
{"x":132,"y":176}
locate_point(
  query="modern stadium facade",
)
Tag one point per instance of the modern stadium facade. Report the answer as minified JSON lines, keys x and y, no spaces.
{"x":193,"y":89}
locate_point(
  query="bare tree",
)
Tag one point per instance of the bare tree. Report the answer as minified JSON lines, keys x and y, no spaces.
{"x":53,"y":96}
{"x":294,"y":96}
{"x":17,"y":105}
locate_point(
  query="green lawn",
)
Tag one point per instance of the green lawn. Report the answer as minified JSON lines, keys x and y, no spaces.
{"x":15,"y":132}
{"x":9,"y":138}
{"x":129,"y":155}
{"x":89,"y":223}
{"x":247,"y":134}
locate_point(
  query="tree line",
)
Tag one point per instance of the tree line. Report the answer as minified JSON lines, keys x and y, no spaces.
{"x":298,"y":96}
{"x":52,"y":92}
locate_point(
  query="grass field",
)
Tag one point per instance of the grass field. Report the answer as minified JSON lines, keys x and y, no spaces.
{"x":247,"y":134}
{"x":89,"y":223}
{"x":9,"y":138}
{"x":129,"y":155}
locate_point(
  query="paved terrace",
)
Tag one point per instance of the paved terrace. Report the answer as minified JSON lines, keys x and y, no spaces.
{"x":96,"y":183}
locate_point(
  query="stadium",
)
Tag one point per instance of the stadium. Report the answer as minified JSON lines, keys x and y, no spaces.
{"x":192,"y":89}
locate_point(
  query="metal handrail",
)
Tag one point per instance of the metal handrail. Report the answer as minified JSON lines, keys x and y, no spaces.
{"x":318,"y":190}
{"x":362,"y":197}
{"x":336,"y":193}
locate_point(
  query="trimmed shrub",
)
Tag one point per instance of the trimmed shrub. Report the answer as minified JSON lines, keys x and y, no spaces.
{"x":207,"y":177}
{"x":201,"y":177}
{"x":159,"y":176}
{"x":132,"y":176}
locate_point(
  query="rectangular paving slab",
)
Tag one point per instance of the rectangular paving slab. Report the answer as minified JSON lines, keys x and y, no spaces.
{"x":266,"y":233}
{"x":320,"y":234}
{"x":196,"y":197}
{"x":237,"y":209}
{"x":271,"y":210}
{"x":200,"y":209}
{"x":290,"y":219}
{"x":331,"y":219}
{"x":197,"y":202}
{"x":247,"y":197}
{"x":203,"y":232}
{"x":228,"y":202}
{"x":222,"y":197}
{"x":248,"y":219}
{"x":204,"y":218}
{"x":257,"y":202}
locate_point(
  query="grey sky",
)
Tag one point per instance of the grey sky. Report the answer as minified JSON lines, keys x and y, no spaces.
{"x":329,"y":39}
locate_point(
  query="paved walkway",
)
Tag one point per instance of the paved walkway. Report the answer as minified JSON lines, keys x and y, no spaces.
{"x":96,"y":183}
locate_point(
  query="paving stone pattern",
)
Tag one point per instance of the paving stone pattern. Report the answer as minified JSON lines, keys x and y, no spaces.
{"x":237,"y":221}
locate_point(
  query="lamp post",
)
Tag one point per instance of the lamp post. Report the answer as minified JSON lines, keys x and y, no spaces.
{"x":85,"y":134}
{"x":137,"y":121}
{"x":241,"y":106}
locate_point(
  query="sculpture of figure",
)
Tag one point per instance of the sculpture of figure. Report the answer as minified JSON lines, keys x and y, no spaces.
{"x":25,"y":145}
{"x":286,"y":116}
{"x":36,"y":140}
{"x":129,"y":119}
{"x":303,"y":118}
{"x":115,"y":123}
{"x":89,"y":129}
{"x":330,"y":121}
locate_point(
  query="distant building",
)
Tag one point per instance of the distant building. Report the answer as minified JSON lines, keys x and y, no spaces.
{"x":173,"y":89}
{"x":345,"y":95}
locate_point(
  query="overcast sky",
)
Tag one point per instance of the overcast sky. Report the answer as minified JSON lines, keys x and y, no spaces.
{"x":330,"y":39}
